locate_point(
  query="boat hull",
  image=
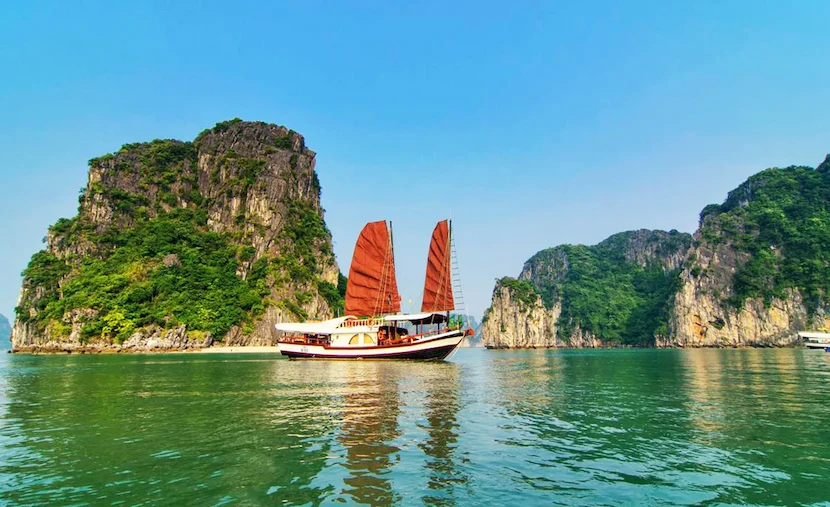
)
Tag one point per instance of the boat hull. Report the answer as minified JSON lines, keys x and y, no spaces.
{"x":435,"y":349}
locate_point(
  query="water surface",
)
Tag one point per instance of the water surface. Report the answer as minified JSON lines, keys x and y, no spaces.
{"x":527,"y":427}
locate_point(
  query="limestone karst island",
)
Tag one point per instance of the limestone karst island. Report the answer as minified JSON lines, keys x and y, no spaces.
{"x":755,"y":273}
{"x":181,"y":245}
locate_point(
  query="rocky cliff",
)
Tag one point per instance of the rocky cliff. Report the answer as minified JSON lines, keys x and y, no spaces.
{"x":760,"y":268}
{"x":608,"y":294}
{"x":185,"y":244}
{"x":517,"y":318}
{"x":756,"y":273}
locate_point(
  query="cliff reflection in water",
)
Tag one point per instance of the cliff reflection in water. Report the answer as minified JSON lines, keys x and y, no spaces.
{"x":659,"y":424}
{"x":96,"y":429}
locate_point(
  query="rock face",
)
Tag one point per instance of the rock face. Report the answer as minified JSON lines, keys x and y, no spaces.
{"x":755,"y":274}
{"x":5,"y":332}
{"x":185,"y":244}
{"x":512,"y":322}
{"x":149,"y":340}
{"x":758,"y":272}
{"x":699,"y":319}
{"x":561,"y":296}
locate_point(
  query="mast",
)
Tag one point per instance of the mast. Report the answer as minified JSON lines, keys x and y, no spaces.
{"x":449,"y":263}
{"x":392,"y":260}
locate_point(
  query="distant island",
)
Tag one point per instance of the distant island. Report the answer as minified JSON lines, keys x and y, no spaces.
{"x":5,"y":332}
{"x":180,"y":245}
{"x":474,"y":340}
{"x":755,"y":273}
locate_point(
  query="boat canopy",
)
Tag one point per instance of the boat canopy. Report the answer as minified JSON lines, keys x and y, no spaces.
{"x":372,"y":288}
{"x":418,"y":318}
{"x":438,"y":281}
{"x":325,"y":327}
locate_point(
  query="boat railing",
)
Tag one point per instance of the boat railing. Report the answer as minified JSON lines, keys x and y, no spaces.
{"x":370,"y":322}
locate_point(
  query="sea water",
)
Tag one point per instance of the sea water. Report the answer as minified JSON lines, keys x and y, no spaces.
{"x":538,"y":427}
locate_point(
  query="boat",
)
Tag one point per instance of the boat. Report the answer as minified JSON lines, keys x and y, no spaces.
{"x":374,"y":327}
{"x":816,"y":339}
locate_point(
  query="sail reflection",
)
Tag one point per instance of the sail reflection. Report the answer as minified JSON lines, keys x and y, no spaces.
{"x":371,"y":406}
{"x":442,"y":385}
{"x":380,"y":403}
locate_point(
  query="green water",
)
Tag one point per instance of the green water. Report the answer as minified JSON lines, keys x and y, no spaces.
{"x":525,"y":427}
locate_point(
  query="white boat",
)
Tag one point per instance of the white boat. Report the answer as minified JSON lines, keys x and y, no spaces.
{"x":374,"y":327}
{"x":815,"y":339}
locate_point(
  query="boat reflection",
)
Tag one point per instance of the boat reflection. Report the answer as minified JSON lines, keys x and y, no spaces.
{"x":368,"y":428}
{"x":442,"y":404}
{"x":378,"y":399}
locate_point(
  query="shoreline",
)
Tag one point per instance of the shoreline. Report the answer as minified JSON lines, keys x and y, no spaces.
{"x":231,"y":349}
{"x":273,"y":349}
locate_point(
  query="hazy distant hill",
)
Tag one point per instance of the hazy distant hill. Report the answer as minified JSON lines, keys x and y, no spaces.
{"x":5,"y":332}
{"x":475,"y":340}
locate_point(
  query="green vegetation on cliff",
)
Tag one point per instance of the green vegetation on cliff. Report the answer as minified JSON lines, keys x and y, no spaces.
{"x":781,"y":219}
{"x":613,"y":298}
{"x":167,"y":271}
{"x":768,"y":242}
{"x":520,"y":290}
{"x":616,"y":290}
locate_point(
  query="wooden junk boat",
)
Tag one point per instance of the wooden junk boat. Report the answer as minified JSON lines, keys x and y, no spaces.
{"x":373,"y":327}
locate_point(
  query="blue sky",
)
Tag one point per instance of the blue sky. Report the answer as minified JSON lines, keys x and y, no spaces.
{"x":531,"y":124}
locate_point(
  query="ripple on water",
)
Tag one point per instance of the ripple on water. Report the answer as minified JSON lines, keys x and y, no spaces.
{"x":492,"y":427}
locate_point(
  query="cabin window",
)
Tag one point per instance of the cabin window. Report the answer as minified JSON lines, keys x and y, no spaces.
{"x":367,"y":340}
{"x":355,"y":340}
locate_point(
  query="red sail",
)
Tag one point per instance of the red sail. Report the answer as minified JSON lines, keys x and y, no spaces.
{"x":438,"y":283}
{"x":372,"y":288}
